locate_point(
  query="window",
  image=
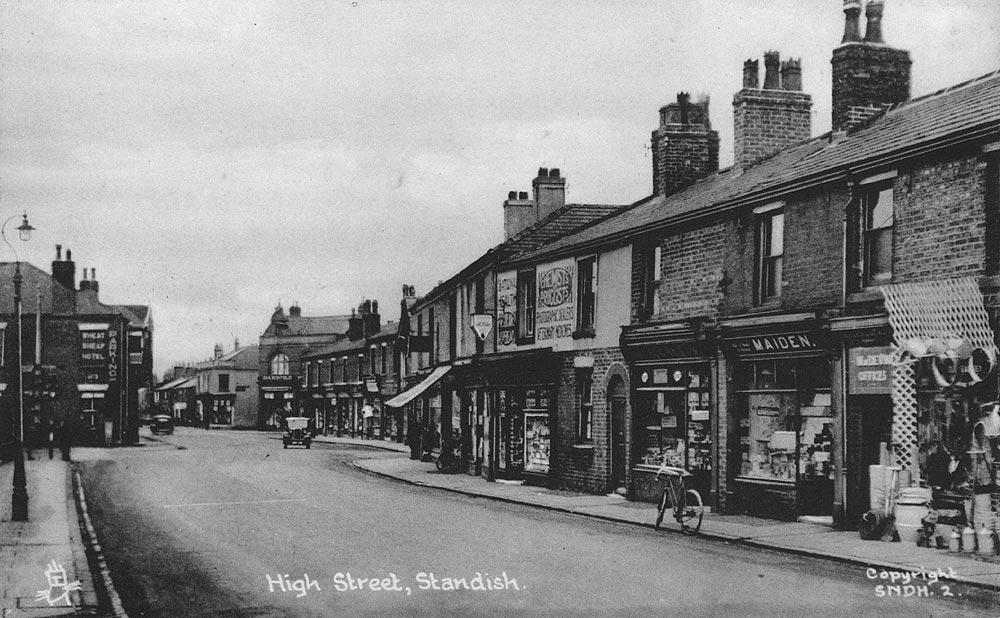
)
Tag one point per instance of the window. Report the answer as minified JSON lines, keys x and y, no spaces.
{"x":586,"y":412}
{"x":279,"y":365}
{"x":526,"y":305}
{"x":333,"y":361}
{"x":654,"y":270}
{"x":770,"y":251}
{"x":372,"y":359}
{"x":224,"y":382}
{"x":385,"y":357}
{"x":343,"y":369}
{"x":876,"y":225}
{"x":586,"y":297}
{"x":305,"y":374}
{"x":317,"y":369}
{"x":361,"y":366}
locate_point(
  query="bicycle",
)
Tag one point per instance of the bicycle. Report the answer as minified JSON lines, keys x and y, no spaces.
{"x":688,"y":508}
{"x":449,"y":458}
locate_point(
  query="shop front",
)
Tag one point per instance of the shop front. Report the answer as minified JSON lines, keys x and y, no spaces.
{"x":277,"y":400}
{"x":673,"y":419}
{"x":781,"y":421}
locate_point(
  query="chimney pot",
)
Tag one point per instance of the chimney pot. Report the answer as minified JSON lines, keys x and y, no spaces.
{"x":873,"y":31}
{"x":523,"y":195}
{"x":93,"y":273}
{"x":543,"y":172}
{"x":751,"y":74}
{"x":554,"y":172}
{"x":791,"y":74}
{"x":771,"y":77}
{"x":852,"y":12}
{"x":512,"y":195}
{"x":58,"y":253}
{"x":69,"y":255}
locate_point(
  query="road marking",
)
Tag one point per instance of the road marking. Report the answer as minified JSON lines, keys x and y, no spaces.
{"x":233,"y":503}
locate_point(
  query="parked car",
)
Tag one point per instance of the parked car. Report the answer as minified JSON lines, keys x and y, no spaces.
{"x":297,"y":431}
{"x":161,"y":423}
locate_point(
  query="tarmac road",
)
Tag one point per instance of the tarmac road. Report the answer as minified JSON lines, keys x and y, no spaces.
{"x":215,"y":523}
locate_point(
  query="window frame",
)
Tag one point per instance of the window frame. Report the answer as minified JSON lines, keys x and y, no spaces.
{"x":527,"y":305}
{"x":586,"y":299}
{"x":281,"y":360}
{"x":585,"y":407}
{"x":219,"y":378}
{"x":768,"y":265}
{"x":869,"y":234}
{"x":653,"y":278}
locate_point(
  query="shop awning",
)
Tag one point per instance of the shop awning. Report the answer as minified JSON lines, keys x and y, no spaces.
{"x":406,"y":397}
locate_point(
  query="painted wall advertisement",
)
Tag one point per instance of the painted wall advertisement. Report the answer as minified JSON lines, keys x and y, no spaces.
{"x":94,"y":352}
{"x":506,"y":308}
{"x":556,"y":313}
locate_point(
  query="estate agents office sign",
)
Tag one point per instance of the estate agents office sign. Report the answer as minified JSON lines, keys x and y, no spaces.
{"x":870,"y":371}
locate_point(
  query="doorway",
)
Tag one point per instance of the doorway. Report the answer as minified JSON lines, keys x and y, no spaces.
{"x":619,"y":460}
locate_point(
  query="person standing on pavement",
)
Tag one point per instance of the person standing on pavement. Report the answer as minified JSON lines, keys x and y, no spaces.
{"x":64,"y":440}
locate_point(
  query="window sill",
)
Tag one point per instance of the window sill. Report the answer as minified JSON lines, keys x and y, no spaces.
{"x":584,"y":333}
{"x":864,"y":296}
{"x":583,"y":446}
{"x":524,"y":340}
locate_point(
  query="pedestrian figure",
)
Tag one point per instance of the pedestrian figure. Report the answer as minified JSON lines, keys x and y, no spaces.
{"x":51,"y":432}
{"x":64,"y":440}
{"x":413,"y":438}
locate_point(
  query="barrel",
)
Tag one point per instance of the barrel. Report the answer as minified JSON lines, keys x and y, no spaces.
{"x":909,"y":512}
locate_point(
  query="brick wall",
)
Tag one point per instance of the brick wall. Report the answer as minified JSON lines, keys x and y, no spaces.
{"x":766,"y":121}
{"x":692,"y":266}
{"x":813,"y":263}
{"x":940,"y":221}
{"x":585,"y":469}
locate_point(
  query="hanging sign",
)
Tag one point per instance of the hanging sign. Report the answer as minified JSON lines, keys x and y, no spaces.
{"x":870,"y":371}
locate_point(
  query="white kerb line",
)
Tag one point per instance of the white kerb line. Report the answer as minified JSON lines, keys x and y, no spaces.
{"x":234,"y":502}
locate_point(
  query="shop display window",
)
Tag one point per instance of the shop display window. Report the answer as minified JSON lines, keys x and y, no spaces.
{"x":785,"y":428}
{"x":672,"y":420}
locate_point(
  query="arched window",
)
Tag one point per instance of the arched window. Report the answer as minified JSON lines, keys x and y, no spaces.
{"x":279,"y":365}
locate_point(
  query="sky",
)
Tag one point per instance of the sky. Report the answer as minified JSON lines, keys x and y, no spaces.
{"x":212,"y":159}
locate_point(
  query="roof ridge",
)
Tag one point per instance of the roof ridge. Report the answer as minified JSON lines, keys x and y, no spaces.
{"x":946,"y":90}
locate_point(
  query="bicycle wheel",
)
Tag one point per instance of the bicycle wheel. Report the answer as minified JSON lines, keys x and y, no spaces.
{"x":441,"y":462}
{"x":689,"y":513}
{"x":664,"y":499}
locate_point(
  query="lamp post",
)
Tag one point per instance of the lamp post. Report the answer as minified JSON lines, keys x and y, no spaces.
{"x":19,"y":495}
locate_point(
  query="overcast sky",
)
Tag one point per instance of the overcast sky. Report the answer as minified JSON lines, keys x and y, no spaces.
{"x":213,"y":159}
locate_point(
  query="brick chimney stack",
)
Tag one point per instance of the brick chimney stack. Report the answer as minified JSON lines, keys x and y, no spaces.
{"x":685,"y":148}
{"x":63,"y":283}
{"x":549,"y":190}
{"x":868,"y":75}
{"x":770,"y":118}
{"x":518,"y":213}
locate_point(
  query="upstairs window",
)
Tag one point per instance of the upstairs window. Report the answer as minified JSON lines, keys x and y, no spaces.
{"x":372,"y":359}
{"x":343,"y":369}
{"x":654,"y":273}
{"x":223,"y":382}
{"x":385,"y":359}
{"x":770,"y":252}
{"x":586,"y":295}
{"x":279,"y":365}
{"x":526,"y":306}
{"x":876,"y":230}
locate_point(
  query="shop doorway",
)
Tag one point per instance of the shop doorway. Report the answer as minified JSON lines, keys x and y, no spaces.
{"x":619,"y":461}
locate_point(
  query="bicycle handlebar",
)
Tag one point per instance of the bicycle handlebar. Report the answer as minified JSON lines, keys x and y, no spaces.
{"x":672,"y":471}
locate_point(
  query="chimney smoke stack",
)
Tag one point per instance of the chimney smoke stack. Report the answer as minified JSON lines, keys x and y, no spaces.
{"x":791,"y":75}
{"x":751,"y":74}
{"x":58,"y":253}
{"x":852,"y":13}
{"x":772,"y":80}
{"x":873,"y":31}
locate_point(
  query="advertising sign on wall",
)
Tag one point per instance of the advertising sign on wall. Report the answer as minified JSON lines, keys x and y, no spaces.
{"x":870,"y":371}
{"x":556,"y":312}
{"x":506,"y":308}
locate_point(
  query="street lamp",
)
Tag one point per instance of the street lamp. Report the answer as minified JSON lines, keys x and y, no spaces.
{"x":19,"y":495}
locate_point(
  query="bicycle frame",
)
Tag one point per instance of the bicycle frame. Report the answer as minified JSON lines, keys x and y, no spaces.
{"x":688,"y":514}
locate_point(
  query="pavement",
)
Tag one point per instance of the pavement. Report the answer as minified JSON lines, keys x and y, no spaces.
{"x":809,"y":539}
{"x":33,"y":554}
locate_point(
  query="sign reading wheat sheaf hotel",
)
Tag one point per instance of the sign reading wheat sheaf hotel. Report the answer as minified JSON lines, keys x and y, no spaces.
{"x":95,"y":352}
{"x":556,"y":310}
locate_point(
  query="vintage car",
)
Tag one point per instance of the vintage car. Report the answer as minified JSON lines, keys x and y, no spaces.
{"x":297,"y":431}
{"x":161,"y":423}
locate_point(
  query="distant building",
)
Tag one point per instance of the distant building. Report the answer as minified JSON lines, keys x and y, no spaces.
{"x":226,"y":388}
{"x":87,"y":363}
{"x":284,"y":341}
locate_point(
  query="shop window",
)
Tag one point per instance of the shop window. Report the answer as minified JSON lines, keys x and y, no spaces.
{"x":526,"y":306}
{"x":785,"y":424}
{"x":586,"y":296}
{"x":672,"y":425}
{"x":224,"y":382}
{"x":770,"y":252}
{"x":585,"y":414}
{"x":279,"y":365}
{"x":876,"y":229}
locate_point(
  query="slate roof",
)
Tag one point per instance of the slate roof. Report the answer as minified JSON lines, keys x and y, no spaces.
{"x":966,"y":111}
{"x":318,"y":325}
{"x":559,"y":222}
{"x":389,"y":329}
{"x":240,"y":358}
{"x":34,"y":278}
